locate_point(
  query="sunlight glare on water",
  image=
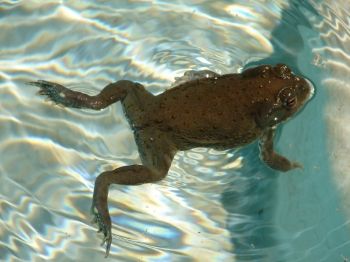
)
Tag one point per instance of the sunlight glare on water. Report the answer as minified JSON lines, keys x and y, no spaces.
{"x":212,"y":206}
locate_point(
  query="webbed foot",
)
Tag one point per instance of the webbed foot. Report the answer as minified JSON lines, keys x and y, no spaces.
{"x":55,"y":92}
{"x":104,"y":225}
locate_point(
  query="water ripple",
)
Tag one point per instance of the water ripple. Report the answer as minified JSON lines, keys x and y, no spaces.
{"x":50,"y":156}
{"x":334,"y":58}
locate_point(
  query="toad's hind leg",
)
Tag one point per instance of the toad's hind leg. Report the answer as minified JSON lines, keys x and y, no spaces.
{"x":110,"y":94}
{"x":156,"y":153}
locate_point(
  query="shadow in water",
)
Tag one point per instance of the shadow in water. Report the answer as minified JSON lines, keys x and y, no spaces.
{"x":252,"y":203}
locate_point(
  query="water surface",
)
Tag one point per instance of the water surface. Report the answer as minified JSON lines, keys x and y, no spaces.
{"x":213,"y":206}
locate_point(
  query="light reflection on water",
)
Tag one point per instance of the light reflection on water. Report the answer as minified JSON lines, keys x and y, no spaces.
{"x":209,"y":206}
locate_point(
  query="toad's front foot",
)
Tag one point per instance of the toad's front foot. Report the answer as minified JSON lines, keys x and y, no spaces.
{"x":104,"y":225}
{"x":270,"y":157}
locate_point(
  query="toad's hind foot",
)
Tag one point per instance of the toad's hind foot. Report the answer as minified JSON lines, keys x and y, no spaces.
{"x":62,"y":95}
{"x":103,"y":226}
{"x":55,"y":92}
{"x":110,"y":94}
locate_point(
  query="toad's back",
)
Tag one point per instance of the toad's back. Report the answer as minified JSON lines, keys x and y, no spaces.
{"x":219,"y":110}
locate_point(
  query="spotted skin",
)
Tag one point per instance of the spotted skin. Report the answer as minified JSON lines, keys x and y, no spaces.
{"x":215,"y":111}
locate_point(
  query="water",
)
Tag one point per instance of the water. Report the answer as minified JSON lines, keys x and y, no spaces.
{"x":213,"y":206}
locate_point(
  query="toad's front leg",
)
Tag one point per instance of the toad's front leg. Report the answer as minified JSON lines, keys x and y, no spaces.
{"x":270,"y":157}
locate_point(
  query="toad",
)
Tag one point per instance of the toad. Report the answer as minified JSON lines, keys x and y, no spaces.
{"x":215,"y":111}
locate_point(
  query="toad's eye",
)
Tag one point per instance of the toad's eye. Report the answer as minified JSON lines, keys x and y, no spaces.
{"x":288,"y":98}
{"x":291,"y":102}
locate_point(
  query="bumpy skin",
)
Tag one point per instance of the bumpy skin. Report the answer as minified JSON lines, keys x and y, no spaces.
{"x":214,"y":111}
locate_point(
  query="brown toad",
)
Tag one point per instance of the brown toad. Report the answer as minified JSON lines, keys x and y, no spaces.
{"x":219,"y":111}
